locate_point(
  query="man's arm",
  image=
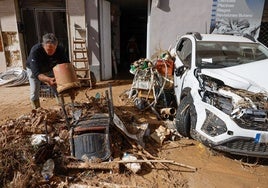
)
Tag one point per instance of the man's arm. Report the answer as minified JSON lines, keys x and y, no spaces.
{"x":47,"y":80}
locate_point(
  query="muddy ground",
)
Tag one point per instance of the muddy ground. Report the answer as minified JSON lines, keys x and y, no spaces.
{"x":214,"y":169}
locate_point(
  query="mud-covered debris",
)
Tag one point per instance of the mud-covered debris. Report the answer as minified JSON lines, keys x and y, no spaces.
{"x":161,"y":134}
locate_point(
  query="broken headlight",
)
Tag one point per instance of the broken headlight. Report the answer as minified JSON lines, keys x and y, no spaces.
{"x":223,"y":103}
{"x":248,"y":109}
{"x":209,"y":91}
{"x":254,"y":115}
{"x":213,"y":125}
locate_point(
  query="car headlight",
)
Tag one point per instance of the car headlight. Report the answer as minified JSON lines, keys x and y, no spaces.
{"x":213,"y":125}
{"x":210,"y":93}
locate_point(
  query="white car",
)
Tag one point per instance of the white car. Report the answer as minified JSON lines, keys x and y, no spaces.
{"x":221,"y":84}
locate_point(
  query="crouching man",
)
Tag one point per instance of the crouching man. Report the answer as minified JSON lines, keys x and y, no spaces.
{"x":42,"y":58}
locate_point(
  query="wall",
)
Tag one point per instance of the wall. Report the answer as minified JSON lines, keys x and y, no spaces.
{"x":92,"y":21}
{"x":169,"y":19}
{"x":105,"y":38}
{"x":75,"y":11}
{"x":10,"y":55}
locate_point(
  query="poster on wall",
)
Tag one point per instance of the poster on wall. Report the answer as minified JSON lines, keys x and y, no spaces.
{"x":237,"y":17}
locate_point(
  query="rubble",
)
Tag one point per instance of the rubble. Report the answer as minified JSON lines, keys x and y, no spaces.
{"x":160,"y":134}
{"x":152,"y":86}
{"x":30,"y":140}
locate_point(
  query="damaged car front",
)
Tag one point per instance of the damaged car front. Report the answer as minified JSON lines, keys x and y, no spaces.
{"x":221,"y":89}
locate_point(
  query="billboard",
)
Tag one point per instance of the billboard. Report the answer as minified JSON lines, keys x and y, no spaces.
{"x":236,"y":17}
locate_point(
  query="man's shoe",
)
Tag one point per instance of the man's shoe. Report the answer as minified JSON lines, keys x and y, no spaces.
{"x":35,"y":104}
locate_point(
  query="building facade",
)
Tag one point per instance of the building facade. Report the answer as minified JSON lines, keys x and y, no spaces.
{"x":109,"y":25}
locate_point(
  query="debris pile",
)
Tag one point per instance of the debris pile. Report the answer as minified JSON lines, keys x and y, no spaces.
{"x":30,"y":140}
{"x":36,"y":150}
{"x":152,"y":85}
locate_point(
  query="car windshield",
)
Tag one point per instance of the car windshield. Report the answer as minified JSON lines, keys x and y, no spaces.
{"x":226,"y":54}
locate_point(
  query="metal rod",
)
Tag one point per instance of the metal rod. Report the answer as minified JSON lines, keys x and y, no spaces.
{"x":111,"y":102}
{"x":64,"y":111}
{"x":72,"y":96}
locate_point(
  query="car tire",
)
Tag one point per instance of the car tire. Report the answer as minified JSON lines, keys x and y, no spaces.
{"x":183,"y":117}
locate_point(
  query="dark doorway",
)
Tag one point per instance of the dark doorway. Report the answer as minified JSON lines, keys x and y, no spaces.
{"x":132,"y":24}
{"x":133,"y":30}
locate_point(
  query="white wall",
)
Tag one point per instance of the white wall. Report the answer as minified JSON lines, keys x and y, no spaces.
{"x":2,"y":54}
{"x":75,"y":10}
{"x":105,"y":36}
{"x":99,"y":38}
{"x":9,"y":32}
{"x":173,"y":18}
{"x":92,"y":21}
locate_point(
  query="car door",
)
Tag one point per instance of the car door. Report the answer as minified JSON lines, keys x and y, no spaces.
{"x":182,"y":65}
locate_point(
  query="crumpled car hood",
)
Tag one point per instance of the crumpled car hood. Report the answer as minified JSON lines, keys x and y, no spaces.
{"x":251,"y":76}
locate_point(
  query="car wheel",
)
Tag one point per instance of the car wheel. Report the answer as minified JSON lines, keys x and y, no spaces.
{"x":183,"y":117}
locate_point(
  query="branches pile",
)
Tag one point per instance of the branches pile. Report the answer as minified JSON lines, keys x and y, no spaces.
{"x":15,"y":155}
{"x":18,"y":166}
{"x":16,"y":151}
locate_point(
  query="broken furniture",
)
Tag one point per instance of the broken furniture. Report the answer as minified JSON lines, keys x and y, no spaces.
{"x":90,"y":138}
{"x":67,"y":83}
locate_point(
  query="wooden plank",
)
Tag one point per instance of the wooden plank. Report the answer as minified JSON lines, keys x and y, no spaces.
{"x":94,"y":166}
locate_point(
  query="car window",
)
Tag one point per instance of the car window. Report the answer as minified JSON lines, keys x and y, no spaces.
{"x":184,"y":51}
{"x":226,"y":54}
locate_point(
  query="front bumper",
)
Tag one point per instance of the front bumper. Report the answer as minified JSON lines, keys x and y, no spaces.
{"x":244,"y":146}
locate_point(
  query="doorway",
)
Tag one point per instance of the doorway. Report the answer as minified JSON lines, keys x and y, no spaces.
{"x":129,"y":22}
{"x":38,"y":21}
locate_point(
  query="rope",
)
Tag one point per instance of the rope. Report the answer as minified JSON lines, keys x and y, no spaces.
{"x":14,"y":77}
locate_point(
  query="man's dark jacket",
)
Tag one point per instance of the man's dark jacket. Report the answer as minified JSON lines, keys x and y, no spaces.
{"x":39,"y":62}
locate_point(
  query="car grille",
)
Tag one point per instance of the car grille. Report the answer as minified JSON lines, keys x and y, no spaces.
{"x":246,"y":147}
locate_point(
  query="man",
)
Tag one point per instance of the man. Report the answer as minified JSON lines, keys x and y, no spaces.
{"x":42,"y":58}
{"x":132,"y":50}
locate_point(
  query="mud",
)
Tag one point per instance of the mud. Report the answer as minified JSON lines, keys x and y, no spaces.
{"x":214,"y":169}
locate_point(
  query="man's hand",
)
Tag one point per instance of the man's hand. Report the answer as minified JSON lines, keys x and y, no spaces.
{"x":51,"y":81}
{"x":47,"y":80}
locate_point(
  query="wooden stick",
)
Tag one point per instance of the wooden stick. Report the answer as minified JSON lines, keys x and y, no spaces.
{"x":158,"y":161}
{"x":94,"y":166}
{"x":149,"y":163}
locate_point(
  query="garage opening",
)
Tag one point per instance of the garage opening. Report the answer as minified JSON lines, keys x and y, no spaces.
{"x":40,"y":18}
{"x":129,"y":27}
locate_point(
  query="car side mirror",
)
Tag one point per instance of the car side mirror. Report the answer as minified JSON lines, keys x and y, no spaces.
{"x":180,"y":70}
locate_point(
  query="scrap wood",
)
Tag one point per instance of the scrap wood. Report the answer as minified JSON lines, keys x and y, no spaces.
{"x":120,"y":125}
{"x":149,"y":163}
{"x":159,"y":161}
{"x":114,"y":165}
{"x":137,"y":145}
{"x":142,"y":152}
{"x":124,"y":99}
{"x":37,"y":120}
{"x":94,"y":166}
{"x":100,"y":183}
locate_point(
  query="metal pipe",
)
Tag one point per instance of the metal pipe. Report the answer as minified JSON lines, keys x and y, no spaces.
{"x":168,"y":111}
{"x":165,"y":116}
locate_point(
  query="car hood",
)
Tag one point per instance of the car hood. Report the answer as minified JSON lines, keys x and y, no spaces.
{"x":250,"y":76}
